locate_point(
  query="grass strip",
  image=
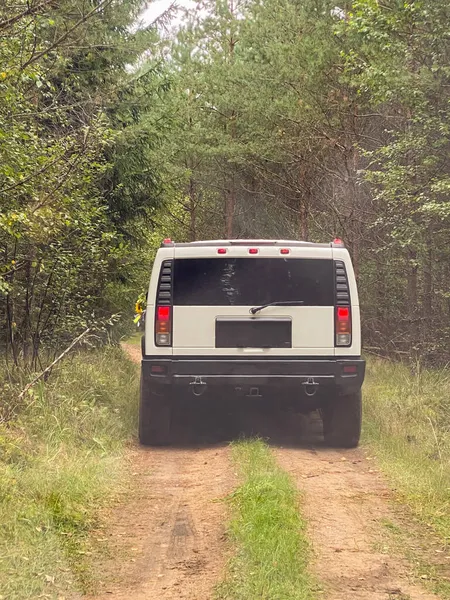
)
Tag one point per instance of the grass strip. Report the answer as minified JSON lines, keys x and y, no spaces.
{"x":272,"y":551}
{"x":60,"y":460}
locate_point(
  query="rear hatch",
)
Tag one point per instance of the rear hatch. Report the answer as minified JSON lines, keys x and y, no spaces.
{"x":214,"y":290}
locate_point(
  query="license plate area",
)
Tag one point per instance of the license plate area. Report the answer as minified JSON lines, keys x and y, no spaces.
{"x":253,"y":333}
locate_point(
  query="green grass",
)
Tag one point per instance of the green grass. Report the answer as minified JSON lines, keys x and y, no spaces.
{"x":135,"y":339}
{"x":407,"y":420}
{"x":407,"y":427}
{"x":397,"y":538}
{"x":61,"y":458}
{"x":272,"y":552}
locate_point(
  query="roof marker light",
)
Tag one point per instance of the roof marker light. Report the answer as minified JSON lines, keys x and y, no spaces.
{"x":221,"y":250}
{"x":338,"y":242}
{"x":167,"y":241}
{"x":284,"y":251}
{"x":253,"y":250}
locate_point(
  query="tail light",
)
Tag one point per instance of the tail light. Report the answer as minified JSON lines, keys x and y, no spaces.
{"x":163,"y":309}
{"x":343,"y":316}
{"x":343,"y":326}
{"x":163,"y":326}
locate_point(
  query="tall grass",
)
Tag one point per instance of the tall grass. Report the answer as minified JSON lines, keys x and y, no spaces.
{"x":60,"y":459}
{"x":272,"y":551}
{"x":407,"y":421}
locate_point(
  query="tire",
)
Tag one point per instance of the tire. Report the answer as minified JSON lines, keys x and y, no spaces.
{"x":342,"y":420}
{"x":154,"y":416}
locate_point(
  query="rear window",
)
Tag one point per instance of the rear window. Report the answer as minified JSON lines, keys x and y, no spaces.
{"x":252,"y":281}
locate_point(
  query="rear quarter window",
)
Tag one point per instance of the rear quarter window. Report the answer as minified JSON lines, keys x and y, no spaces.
{"x":253,"y":281}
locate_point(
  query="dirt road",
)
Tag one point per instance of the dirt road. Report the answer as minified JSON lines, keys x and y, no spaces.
{"x":346,"y":501}
{"x":168,"y":540}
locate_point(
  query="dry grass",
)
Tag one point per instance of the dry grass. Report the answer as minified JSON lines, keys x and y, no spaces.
{"x":407,"y":427}
{"x":60,"y":459}
{"x":407,"y":420}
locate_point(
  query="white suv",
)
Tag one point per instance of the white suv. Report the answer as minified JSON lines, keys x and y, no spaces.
{"x":254,"y":317}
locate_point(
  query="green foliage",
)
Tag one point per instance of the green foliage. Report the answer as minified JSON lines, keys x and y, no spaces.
{"x":60,"y":459}
{"x":398,"y":64}
{"x":255,"y":119}
{"x":75,"y":171}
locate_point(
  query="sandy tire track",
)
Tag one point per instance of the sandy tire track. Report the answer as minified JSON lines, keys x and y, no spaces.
{"x":167,"y":540}
{"x":345,"y":502}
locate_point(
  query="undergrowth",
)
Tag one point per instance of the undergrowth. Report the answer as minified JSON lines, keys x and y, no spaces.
{"x":60,"y":460}
{"x":407,"y":421}
{"x":272,"y":552}
{"x":407,"y":427}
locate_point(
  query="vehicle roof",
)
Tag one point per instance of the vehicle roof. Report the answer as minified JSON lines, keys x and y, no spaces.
{"x":244,"y":242}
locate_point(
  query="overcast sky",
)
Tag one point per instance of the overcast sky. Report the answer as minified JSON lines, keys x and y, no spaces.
{"x":156,"y":8}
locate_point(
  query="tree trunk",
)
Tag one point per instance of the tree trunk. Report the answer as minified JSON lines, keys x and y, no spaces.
{"x":427,"y":299}
{"x":230,"y":208}
{"x":412,"y":295}
{"x":427,"y":307}
{"x":303,"y":219}
{"x":192,"y":211}
{"x":10,"y":309}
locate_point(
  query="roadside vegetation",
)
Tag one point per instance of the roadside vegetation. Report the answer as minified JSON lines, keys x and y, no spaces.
{"x":407,"y":421}
{"x":407,"y":427}
{"x":272,"y":551}
{"x":61,"y":458}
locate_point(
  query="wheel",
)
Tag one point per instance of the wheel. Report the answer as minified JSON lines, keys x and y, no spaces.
{"x":154,"y":416}
{"x":342,"y":420}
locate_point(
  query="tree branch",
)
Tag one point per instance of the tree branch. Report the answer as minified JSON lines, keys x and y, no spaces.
{"x":63,"y":37}
{"x":31,"y":10}
{"x":50,"y":367}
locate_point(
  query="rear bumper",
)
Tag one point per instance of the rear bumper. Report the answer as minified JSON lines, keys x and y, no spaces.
{"x":347,"y":375}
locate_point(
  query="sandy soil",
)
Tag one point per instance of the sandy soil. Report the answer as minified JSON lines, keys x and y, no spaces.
{"x":166,"y":540}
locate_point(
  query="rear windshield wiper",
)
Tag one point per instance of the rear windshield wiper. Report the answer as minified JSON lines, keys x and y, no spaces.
{"x":256,"y":309}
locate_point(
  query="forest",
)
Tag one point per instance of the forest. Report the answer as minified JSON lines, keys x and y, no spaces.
{"x":125,"y":122}
{"x":303,"y":119}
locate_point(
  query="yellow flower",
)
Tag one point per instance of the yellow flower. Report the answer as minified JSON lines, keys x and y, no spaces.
{"x":3,"y":75}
